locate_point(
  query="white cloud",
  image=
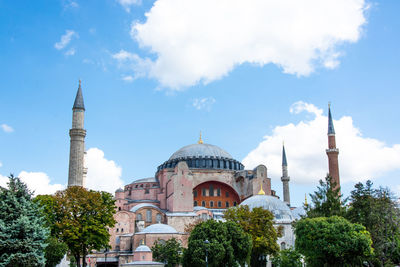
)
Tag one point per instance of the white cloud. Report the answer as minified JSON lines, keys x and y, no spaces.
{"x":65,"y":39}
{"x":1,"y":164}
{"x":204,"y":103}
{"x":103,"y":174}
{"x":6,"y":128}
{"x":70,"y":52}
{"x":126,"y":4}
{"x":39,"y":182}
{"x":128,"y":78}
{"x":360,"y":157}
{"x":202,"y":41}
{"x":133,"y":63}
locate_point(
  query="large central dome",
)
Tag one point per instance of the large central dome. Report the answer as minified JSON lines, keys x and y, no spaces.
{"x":200,"y":150}
{"x":202,"y":156}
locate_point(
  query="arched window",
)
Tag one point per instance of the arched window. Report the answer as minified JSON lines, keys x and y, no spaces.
{"x":218,"y":192}
{"x":119,"y":208}
{"x":204,"y":192}
{"x":283,"y":245}
{"x":227,"y":204}
{"x":139,"y":217}
{"x":211,"y":190}
{"x":203,"y":203}
{"x":219,"y":204}
{"x":158,"y":218}
{"x":195,"y":193}
{"x":211,"y":204}
{"x":234,"y":203}
{"x":148,"y":215}
{"x":195,"y":203}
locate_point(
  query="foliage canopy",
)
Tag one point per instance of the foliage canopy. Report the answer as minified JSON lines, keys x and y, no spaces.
{"x":169,"y":252}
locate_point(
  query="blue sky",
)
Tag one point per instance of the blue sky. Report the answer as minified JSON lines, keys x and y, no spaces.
{"x":243,"y":77}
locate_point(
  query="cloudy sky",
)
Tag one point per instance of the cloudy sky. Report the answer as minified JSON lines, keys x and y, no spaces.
{"x":248,"y":74}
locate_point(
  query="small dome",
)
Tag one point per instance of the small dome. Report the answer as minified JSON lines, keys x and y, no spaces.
{"x":119,"y":190}
{"x":278,"y":208}
{"x":200,"y":150}
{"x":159,"y":228}
{"x":298,"y":213}
{"x":142,"y":248}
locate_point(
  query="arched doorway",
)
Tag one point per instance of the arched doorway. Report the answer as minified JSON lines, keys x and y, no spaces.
{"x":215,"y":195}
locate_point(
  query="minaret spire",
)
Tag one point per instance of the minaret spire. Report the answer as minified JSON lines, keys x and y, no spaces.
{"x":332,"y":151}
{"x":200,"y":140}
{"x":285,"y":177}
{"x":77,"y":133}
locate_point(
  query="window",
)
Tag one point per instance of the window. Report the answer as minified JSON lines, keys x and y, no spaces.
{"x":218,"y":192}
{"x":148,"y":215}
{"x":283,"y":245}
{"x":119,"y":208}
{"x":139,"y":217}
{"x":211,"y":204}
{"x":204,"y":192}
{"x":117,"y":230}
{"x":227,"y":204}
{"x":234,"y":203}
{"x":211,"y":191}
{"x":122,"y":230}
{"x":146,"y":191}
{"x":141,"y":242}
{"x":158,"y":218}
{"x":195,"y":203}
{"x":203,"y":203}
{"x":219,"y":204}
{"x":195,"y":193}
{"x":227,"y":194}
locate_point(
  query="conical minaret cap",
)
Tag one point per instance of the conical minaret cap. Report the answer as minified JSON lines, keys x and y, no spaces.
{"x":78,"y":104}
{"x":284,"y":161}
{"x":331,"y":129}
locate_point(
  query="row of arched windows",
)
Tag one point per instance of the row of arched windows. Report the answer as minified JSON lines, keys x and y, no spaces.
{"x":139,"y":216}
{"x":216,"y":204}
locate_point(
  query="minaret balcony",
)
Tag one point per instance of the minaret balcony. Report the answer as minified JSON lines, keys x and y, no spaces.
{"x":332,"y":150}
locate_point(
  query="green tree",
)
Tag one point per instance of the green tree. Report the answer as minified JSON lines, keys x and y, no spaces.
{"x":82,"y":218}
{"x":23,"y":232}
{"x":169,"y":252}
{"x":332,"y":241}
{"x":55,"y":249}
{"x":287,"y":258}
{"x":326,"y":201}
{"x":228,"y":245}
{"x":257,"y":222}
{"x":376,"y":209}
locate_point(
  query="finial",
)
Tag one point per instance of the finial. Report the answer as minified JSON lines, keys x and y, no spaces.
{"x":261,"y":189}
{"x":329,"y":104}
{"x":305,"y":199}
{"x":200,"y":140}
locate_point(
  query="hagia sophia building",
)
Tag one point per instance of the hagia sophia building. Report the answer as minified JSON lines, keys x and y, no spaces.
{"x":198,"y":182}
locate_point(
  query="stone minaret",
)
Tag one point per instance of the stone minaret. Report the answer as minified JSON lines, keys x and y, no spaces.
{"x":332,"y":151}
{"x":77,"y":147}
{"x":285,"y":178}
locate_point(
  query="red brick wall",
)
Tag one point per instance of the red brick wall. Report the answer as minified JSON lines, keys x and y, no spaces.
{"x":231,"y":198}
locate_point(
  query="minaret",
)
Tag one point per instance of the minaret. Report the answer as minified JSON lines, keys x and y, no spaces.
{"x":77,"y":146}
{"x":332,"y":151}
{"x":285,"y":178}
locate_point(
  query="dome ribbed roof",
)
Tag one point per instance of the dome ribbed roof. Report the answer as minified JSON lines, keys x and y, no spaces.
{"x":158,"y":228}
{"x":278,"y":208}
{"x":143,"y":248}
{"x":200,"y":150}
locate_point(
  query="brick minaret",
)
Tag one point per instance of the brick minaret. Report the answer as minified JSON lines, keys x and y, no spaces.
{"x":285,"y":178}
{"x":77,"y":147}
{"x":332,"y":151}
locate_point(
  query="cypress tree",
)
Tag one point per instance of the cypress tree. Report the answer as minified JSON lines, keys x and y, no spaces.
{"x":23,"y":233}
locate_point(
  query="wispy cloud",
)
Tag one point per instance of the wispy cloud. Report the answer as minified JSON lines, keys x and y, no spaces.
{"x":128,"y":78}
{"x":65,"y":39}
{"x":70,"y":52}
{"x":203,"y":103}
{"x":127,"y":4}
{"x":6,"y":128}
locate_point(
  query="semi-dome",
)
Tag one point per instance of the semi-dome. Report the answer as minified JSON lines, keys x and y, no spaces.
{"x":203,"y":156}
{"x":200,"y":150}
{"x":278,"y":208}
{"x":158,"y":228}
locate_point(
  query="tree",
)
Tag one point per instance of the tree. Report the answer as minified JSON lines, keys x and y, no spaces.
{"x":169,"y":252}
{"x":327,"y":200}
{"x":332,"y":241}
{"x":82,"y":218}
{"x":259,"y":224}
{"x":23,"y":232}
{"x":55,"y":249}
{"x":228,"y":245}
{"x":376,"y":209}
{"x":287,"y":258}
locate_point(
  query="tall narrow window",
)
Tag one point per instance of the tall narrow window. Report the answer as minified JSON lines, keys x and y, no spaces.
{"x":148,"y":215}
{"x":158,"y":218}
{"x":195,"y":193}
{"x":227,"y":204}
{"x":195,"y":203}
{"x":211,"y":190}
{"x":204,"y":192}
{"x":203,"y":203}
{"x":218,"y":192}
{"x":139,"y":217}
{"x":219,"y":204}
{"x":211,"y":204}
{"x":227,"y":194}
